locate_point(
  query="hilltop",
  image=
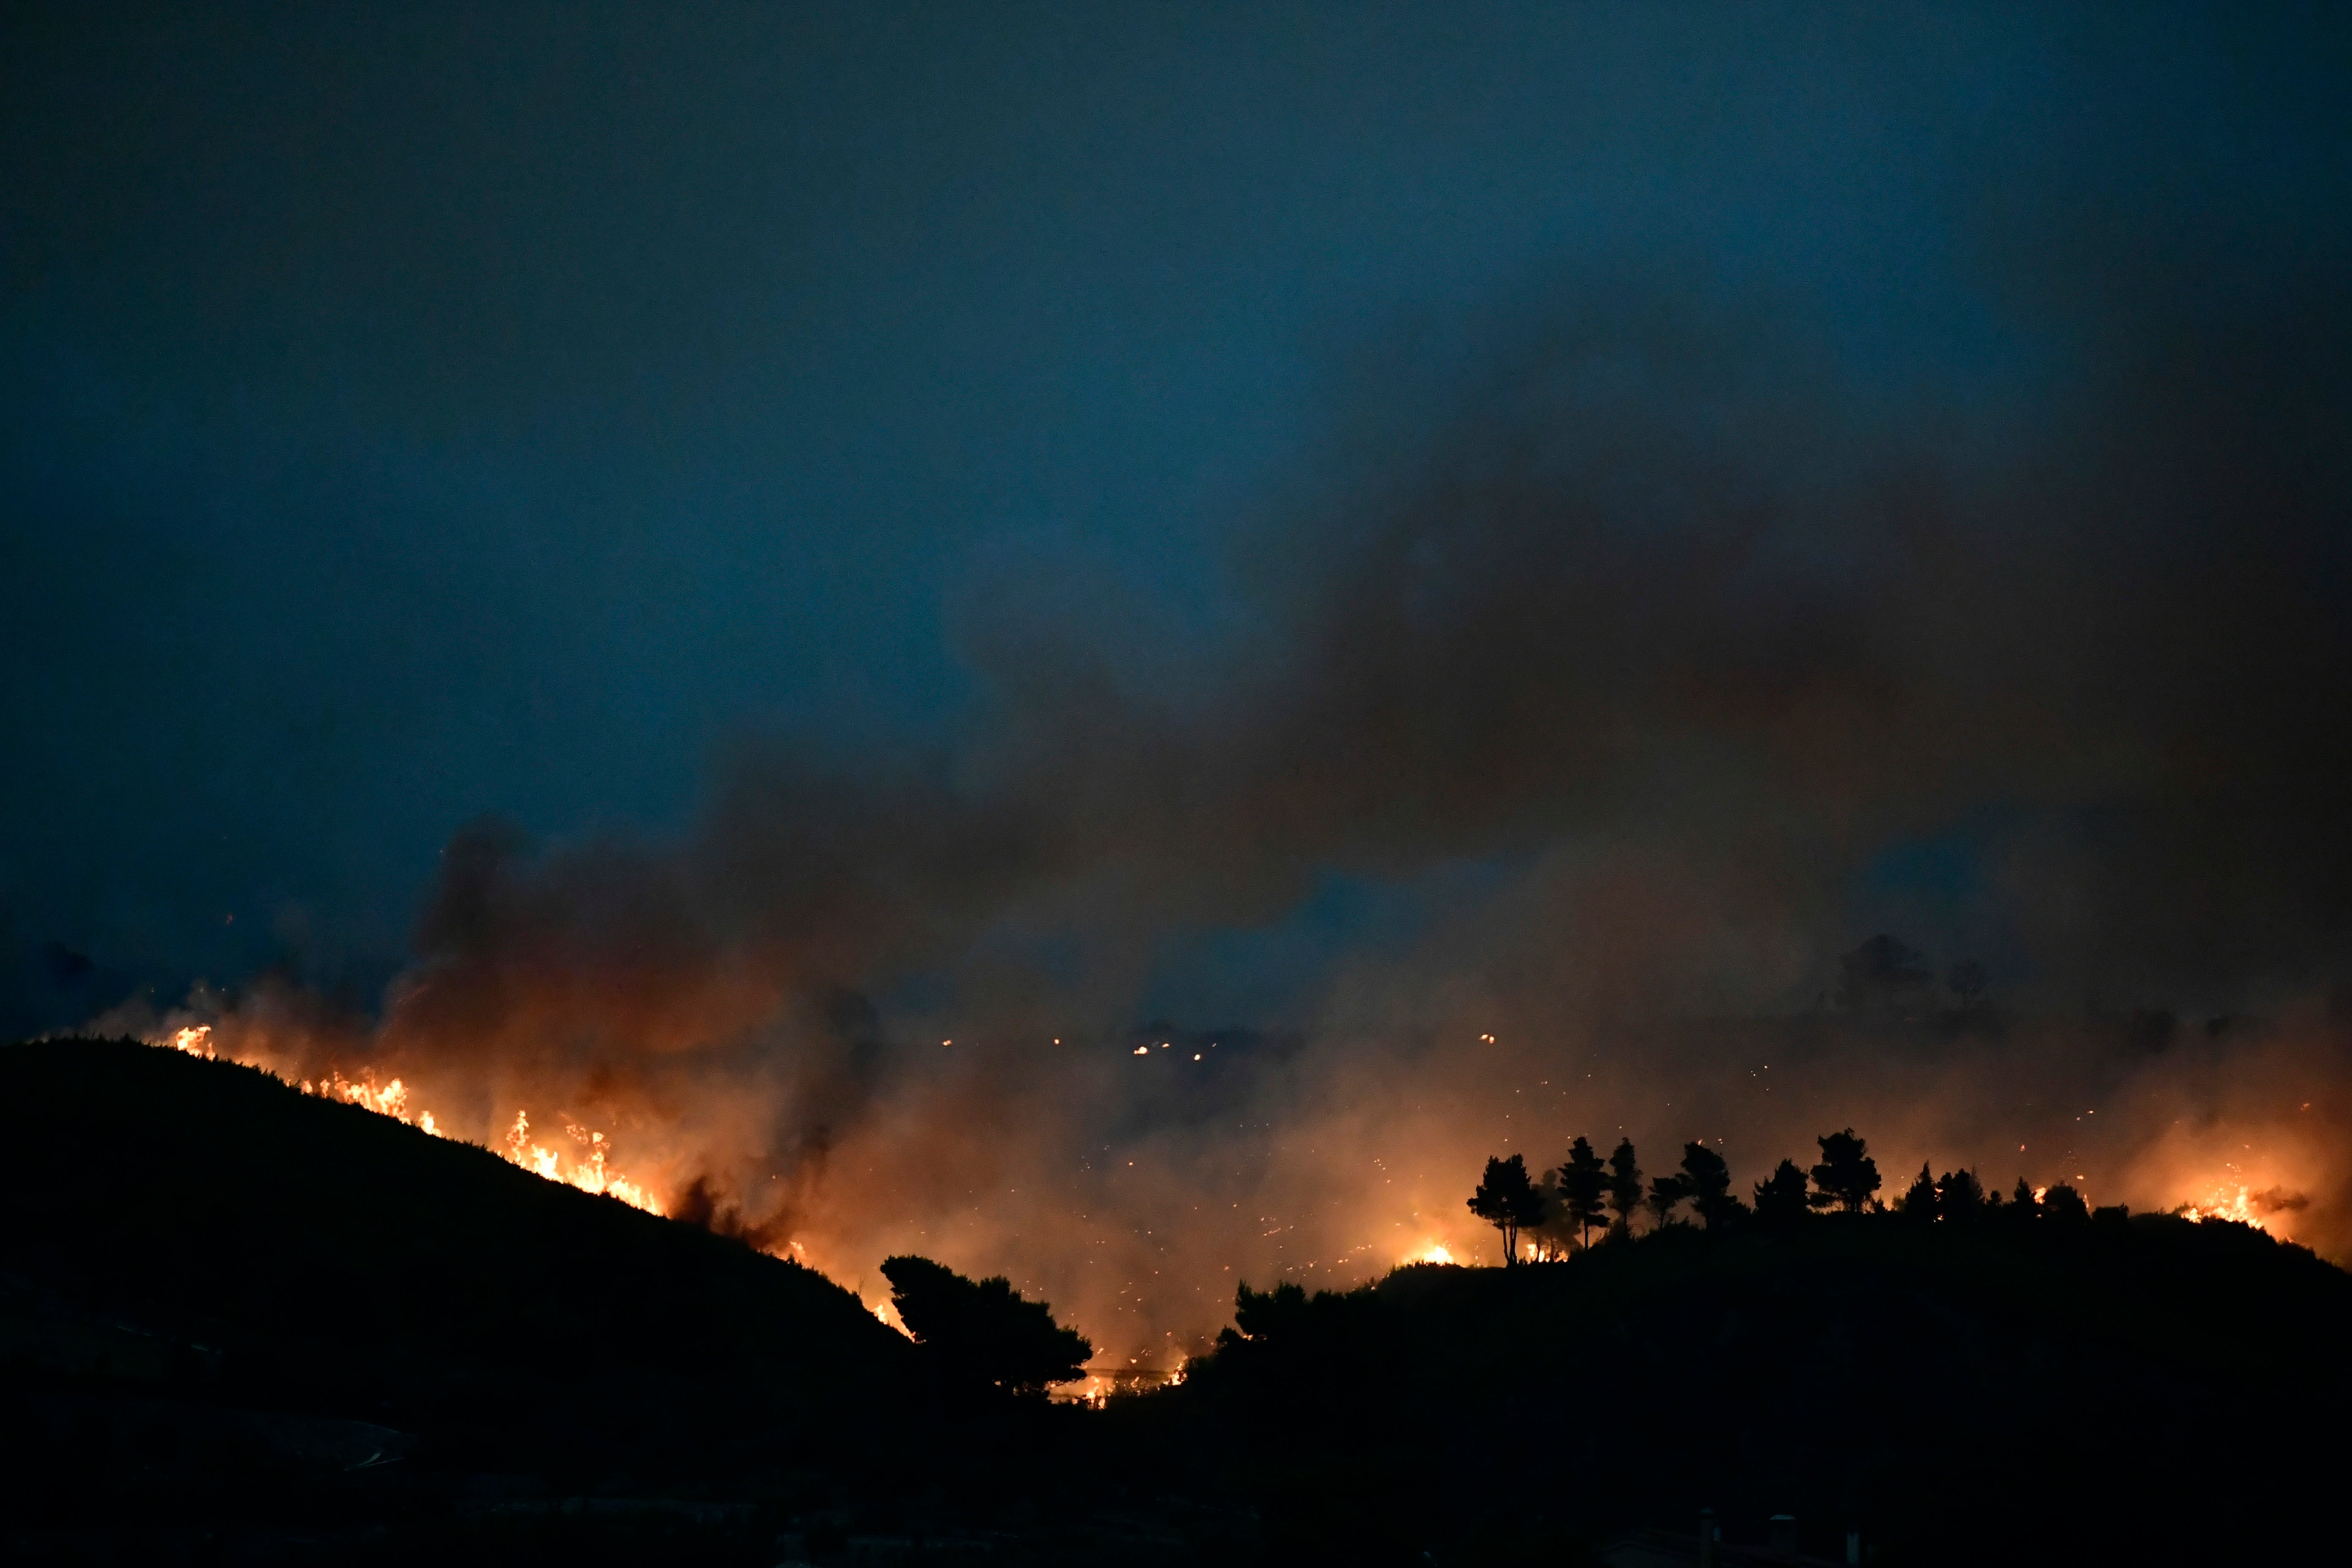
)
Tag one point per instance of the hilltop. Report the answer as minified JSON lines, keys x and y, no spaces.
{"x":343,"y":1262}
{"x":241,"y":1323}
{"x":230,"y":1312}
{"x":2143,"y":1389}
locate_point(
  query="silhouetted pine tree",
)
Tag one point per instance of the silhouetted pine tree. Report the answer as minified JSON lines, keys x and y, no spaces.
{"x":1665,"y":1193}
{"x":1917,"y":1203}
{"x":1508,"y":1199}
{"x":1959,"y":1197}
{"x":982,"y":1332}
{"x":1780,"y":1199}
{"x":1710,"y":1187}
{"x":1555,"y":1234}
{"x":1584,"y":1190}
{"x":1624,"y":1186}
{"x":1847,"y":1176}
{"x":2065,"y":1205}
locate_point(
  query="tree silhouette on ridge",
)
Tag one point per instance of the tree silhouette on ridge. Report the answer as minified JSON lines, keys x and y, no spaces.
{"x":1780,"y":1197}
{"x":1846,"y":1175}
{"x":981,"y":1332}
{"x":1710,"y":1187}
{"x":1584,"y":1190}
{"x":1507,"y":1200}
{"x":1665,"y":1193}
{"x":1917,"y":1202}
{"x":1624,"y":1187}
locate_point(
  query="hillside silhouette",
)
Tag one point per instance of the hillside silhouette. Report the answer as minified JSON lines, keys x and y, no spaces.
{"x":234,"y":1314}
{"x":2138,"y":1389}
{"x":242,"y":1325}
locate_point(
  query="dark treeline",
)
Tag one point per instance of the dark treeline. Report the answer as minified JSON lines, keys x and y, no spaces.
{"x":1955,"y":1374}
{"x":1587,"y":1199}
{"x":1958,"y":1379}
{"x":242,"y":1325}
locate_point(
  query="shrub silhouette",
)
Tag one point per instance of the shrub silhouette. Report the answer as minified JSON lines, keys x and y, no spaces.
{"x":1269,"y":1315}
{"x":2064,"y":1205}
{"x":1780,"y":1197}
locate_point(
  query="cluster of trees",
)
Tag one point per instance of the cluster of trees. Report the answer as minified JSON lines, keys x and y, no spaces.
{"x":1958,"y":1197}
{"x":1586,"y":1194}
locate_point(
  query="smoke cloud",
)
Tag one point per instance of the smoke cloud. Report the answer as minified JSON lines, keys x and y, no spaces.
{"x":1621,"y":664}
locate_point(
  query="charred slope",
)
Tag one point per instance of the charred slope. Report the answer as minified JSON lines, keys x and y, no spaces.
{"x":2144,"y":1390}
{"x":183,"y":1230}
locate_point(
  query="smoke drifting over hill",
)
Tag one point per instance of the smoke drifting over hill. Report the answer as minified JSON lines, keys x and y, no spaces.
{"x":1648,"y":663}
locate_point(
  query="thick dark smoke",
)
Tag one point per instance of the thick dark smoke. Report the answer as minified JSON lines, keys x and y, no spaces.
{"x":1656,"y":660}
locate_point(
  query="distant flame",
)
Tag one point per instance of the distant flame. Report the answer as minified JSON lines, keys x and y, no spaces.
{"x":1099,"y":1387}
{"x":2265,"y":1210}
{"x":1435,"y":1252}
{"x":587,"y":1170}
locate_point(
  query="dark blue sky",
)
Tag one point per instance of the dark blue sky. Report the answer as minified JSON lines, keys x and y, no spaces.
{"x":410,"y":415}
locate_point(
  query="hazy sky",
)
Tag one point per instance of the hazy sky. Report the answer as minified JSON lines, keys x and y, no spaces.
{"x":412,"y":413}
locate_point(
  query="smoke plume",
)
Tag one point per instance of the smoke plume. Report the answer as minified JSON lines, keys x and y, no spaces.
{"x":1628,"y":673}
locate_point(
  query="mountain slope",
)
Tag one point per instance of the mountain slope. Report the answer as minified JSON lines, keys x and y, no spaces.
{"x":312,"y":1256}
{"x":2141,"y":1389}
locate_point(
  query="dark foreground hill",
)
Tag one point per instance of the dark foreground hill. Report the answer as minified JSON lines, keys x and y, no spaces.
{"x":241,"y":1325}
{"x":2137,"y":1390}
{"x":240,"y":1321}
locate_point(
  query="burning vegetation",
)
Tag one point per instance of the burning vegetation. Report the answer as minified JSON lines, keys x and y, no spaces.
{"x":1714,"y":1336}
{"x":584,"y":1165}
{"x":1141,"y":1242}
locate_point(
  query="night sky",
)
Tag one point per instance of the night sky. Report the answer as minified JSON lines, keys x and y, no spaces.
{"x":575,"y":536}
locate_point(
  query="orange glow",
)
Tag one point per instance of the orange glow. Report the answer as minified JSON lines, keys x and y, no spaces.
{"x":2269,"y":1210}
{"x":2222,"y":1203}
{"x":1099,"y":1387}
{"x":2253,"y":1173}
{"x":587,"y":1168}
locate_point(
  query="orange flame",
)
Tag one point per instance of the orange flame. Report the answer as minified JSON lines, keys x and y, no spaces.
{"x":589,"y":1170}
{"x":2268,"y":1210}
